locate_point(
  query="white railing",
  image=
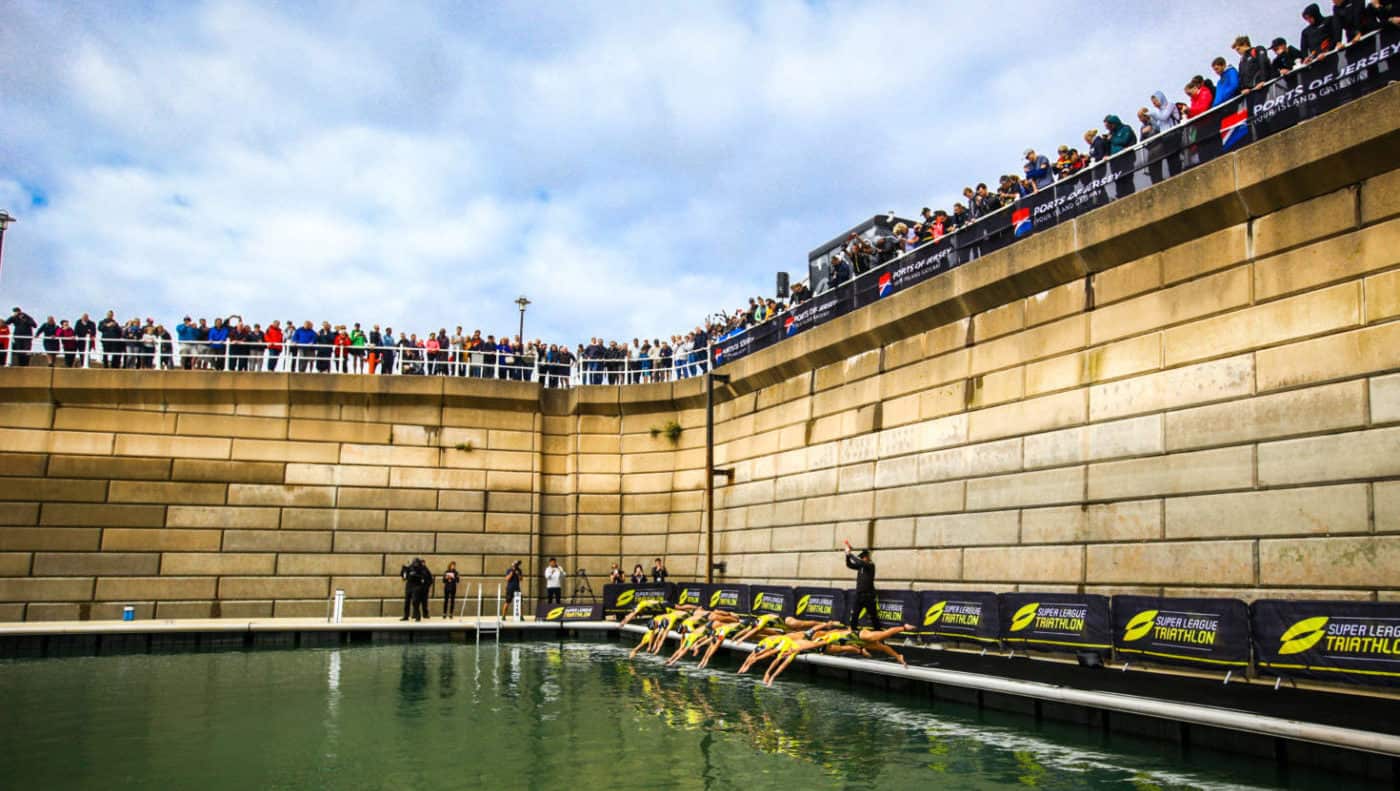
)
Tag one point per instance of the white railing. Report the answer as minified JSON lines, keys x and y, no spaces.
{"x":154,"y":353}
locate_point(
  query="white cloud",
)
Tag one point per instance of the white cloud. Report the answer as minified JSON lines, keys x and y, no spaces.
{"x":629,"y":167}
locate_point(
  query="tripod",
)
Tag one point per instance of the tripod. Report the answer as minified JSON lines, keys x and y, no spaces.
{"x":582,"y":586}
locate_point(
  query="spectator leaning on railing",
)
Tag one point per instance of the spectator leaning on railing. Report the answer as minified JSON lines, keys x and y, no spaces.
{"x":1316,"y":39}
{"x":1229,"y":85}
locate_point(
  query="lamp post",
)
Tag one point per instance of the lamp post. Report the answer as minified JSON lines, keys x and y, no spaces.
{"x":522,"y":302}
{"x":711,"y":379}
{"x":5,"y":220}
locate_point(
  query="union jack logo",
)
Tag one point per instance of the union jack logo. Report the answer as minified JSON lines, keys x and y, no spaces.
{"x":789,"y":325}
{"x":886,"y":284}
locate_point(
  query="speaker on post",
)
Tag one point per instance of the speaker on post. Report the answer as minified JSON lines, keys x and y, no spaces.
{"x":782,"y":285}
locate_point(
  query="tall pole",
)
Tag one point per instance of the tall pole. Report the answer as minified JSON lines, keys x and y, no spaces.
{"x":522,"y":302}
{"x":710,"y":472}
{"x":5,"y":220}
{"x":709,"y":476}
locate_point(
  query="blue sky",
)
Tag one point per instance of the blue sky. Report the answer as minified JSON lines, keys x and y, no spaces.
{"x":630,"y":167}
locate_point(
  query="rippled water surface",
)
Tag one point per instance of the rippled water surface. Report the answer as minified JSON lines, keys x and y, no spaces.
{"x":537,"y":716}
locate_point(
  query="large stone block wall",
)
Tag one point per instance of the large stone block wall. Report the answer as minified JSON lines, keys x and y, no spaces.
{"x":1194,"y":390}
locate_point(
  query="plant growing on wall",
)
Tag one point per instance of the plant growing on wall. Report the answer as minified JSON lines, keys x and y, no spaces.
{"x":671,"y":430}
{"x":465,"y":447}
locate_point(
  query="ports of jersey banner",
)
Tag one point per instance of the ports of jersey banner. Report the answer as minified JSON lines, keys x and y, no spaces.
{"x":1323,"y":85}
{"x":958,"y":615}
{"x":1196,"y":632}
{"x":569,"y":612}
{"x":820,"y":604}
{"x":622,"y":598}
{"x":771,"y":600}
{"x":1335,"y":640}
{"x":732,"y":598}
{"x":896,"y":607}
{"x":1330,"y":83}
{"x":1069,"y":622}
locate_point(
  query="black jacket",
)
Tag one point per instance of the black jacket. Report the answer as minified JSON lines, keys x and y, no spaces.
{"x":1288,"y":59}
{"x":865,"y":573}
{"x":1254,"y":68}
{"x":84,"y":329}
{"x":1350,"y":19}
{"x":1317,"y":37}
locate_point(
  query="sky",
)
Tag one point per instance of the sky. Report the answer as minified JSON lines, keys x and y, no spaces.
{"x":628,"y":167}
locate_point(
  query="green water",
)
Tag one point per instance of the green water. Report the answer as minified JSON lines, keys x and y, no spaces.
{"x":537,"y":716}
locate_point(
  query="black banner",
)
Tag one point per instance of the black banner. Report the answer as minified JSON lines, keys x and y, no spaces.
{"x":771,"y":600}
{"x":1196,"y":632}
{"x":1335,"y":640}
{"x":896,"y":607}
{"x":817,"y":310}
{"x":958,"y":615}
{"x":820,"y":604}
{"x":1069,"y":622}
{"x":728,"y":597}
{"x":690,"y":593}
{"x":1325,"y":85}
{"x":569,"y":612}
{"x":622,"y":598}
{"x":1321,"y":86}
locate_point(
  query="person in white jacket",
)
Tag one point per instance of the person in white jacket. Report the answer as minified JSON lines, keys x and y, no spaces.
{"x":553,"y":583}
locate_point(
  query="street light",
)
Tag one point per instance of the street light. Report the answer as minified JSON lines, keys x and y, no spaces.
{"x":5,"y":220}
{"x":522,"y":302}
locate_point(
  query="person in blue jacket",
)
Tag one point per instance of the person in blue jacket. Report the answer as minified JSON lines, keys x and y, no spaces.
{"x":1228,"y":86}
{"x":218,"y":339}
{"x":303,"y":338}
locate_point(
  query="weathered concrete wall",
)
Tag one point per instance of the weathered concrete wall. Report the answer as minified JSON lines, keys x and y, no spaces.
{"x":1193,"y":390}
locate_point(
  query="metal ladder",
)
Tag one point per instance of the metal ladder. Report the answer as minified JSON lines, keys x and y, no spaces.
{"x":494,"y":624}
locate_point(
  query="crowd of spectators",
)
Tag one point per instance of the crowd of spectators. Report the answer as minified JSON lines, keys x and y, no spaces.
{"x":232,"y":344}
{"x":1350,"y":20}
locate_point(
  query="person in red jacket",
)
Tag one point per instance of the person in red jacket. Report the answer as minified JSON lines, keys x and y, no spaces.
{"x":68,"y":339}
{"x":4,"y":344}
{"x":341,"y":343}
{"x":274,"y":340}
{"x":1202,"y":95}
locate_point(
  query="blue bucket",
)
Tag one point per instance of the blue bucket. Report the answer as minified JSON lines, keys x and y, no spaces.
{"x":128,"y":613}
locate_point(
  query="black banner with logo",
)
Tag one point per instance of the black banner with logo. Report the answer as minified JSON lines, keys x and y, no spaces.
{"x":728,"y":597}
{"x":817,"y":310}
{"x":622,"y":598}
{"x":1325,"y":85}
{"x":690,"y":593}
{"x":896,"y":607}
{"x":1210,"y":633}
{"x":1068,"y":622}
{"x":1334,"y":640}
{"x":771,"y":600}
{"x":958,"y":615}
{"x":820,"y":604}
{"x":1310,"y":91}
{"x":564,"y":613}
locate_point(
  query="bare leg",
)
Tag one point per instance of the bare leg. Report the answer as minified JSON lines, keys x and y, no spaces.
{"x":714,"y":647}
{"x":886,"y":650}
{"x":883,"y":634}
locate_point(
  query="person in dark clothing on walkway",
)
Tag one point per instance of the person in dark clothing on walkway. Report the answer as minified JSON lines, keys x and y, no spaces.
{"x":418,"y":580}
{"x":450,"y":578}
{"x":513,"y":575}
{"x":865,"y":586}
{"x":1286,"y":57}
{"x":22,"y":327}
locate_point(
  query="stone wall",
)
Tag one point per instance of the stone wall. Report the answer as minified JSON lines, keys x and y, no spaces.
{"x":1192,"y":390}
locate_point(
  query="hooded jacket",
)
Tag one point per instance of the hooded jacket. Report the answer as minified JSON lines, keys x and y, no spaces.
{"x":1316,"y":38}
{"x":1120,"y":135}
{"x":1166,"y":116}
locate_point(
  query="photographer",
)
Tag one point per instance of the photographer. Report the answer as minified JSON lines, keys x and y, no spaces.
{"x":513,"y":575}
